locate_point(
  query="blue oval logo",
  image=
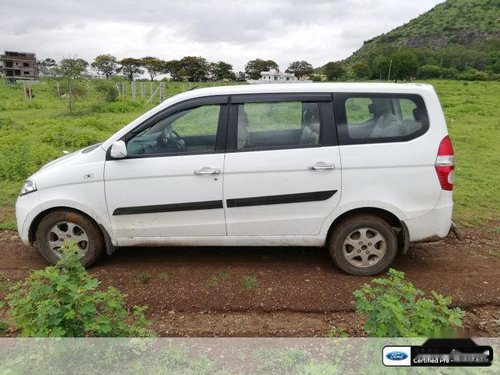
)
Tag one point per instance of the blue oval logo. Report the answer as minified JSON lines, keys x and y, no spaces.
{"x":396,"y":356}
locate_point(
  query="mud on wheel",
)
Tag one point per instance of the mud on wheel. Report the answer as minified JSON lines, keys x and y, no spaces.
{"x":60,"y":227}
{"x":363,"y":245}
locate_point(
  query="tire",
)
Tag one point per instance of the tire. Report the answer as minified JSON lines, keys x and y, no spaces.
{"x":62,"y":226}
{"x":363,"y":245}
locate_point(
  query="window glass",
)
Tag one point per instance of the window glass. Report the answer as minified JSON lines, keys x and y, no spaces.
{"x":278,"y":124}
{"x":191,"y":130}
{"x":369,"y":118}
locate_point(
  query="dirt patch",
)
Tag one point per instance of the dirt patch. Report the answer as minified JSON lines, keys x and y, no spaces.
{"x":278,"y":291}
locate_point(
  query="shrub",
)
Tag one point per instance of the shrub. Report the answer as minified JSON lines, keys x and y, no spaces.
{"x":63,"y":301}
{"x":107,"y":90}
{"x":395,"y":308}
{"x":429,"y":71}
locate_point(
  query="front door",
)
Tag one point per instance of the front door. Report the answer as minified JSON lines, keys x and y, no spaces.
{"x":282,"y":173}
{"x":170,"y":183}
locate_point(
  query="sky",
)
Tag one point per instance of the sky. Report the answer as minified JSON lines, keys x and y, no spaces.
{"x":234,"y":31}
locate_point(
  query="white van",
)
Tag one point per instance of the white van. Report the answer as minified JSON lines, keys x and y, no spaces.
{"x":364,"y":168}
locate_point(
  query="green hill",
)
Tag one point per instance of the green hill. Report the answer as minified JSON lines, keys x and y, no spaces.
{"x":455,"y":39}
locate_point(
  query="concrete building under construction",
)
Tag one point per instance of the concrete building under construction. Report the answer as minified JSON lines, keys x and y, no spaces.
{"x":18,"y":66}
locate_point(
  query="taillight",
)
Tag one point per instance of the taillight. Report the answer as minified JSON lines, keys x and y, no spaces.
{"x":445,"y":164}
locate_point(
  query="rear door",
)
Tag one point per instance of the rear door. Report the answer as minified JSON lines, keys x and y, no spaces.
{"x":282,"y":172}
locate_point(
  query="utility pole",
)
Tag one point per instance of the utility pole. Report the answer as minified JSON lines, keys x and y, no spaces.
{"x":389,"y":74}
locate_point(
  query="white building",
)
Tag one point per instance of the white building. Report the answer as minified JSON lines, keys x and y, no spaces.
{"x":275,"y":76}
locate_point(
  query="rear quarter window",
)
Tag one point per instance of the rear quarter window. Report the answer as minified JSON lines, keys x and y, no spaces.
{"x":380,"y":118}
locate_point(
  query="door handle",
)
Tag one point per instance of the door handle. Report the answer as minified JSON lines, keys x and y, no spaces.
{"x":321,"y":166}
{"x":206,"y":170}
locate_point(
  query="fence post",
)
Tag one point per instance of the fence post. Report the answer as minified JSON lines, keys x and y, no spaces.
{"x":162,"y":91}
{"x":132,"y":87}
{"x":151,"y":88}
{"x":143,"y":93}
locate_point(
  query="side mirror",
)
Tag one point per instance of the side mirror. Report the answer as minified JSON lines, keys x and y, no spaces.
{"x":118,"y":150}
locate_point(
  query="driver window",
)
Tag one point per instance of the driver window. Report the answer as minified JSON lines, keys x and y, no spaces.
{"x":191,"y":130}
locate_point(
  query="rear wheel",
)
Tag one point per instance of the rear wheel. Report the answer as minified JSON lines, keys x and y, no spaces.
{"x":363,"y":245}
{"x":59,"y":228}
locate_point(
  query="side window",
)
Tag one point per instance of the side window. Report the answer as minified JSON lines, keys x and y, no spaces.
{"x":191,"y":130}
{"x":278,"y":124}
{"x":382,"y":118}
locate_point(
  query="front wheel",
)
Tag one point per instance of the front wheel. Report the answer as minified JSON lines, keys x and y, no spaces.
{"x":60,"y":227}
{"x":363,"y":245}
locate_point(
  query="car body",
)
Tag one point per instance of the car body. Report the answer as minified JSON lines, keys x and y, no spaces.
{"x":264,"y":165}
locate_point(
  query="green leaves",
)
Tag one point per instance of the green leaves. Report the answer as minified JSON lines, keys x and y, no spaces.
{"x":64,"y":301}
{"x":395,"y":308}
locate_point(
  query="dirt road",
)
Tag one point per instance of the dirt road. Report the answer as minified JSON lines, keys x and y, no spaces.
{"x":279,"y":291}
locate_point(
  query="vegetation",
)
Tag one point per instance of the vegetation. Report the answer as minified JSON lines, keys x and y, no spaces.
{"x":337,"y":332}
{"x":395,"y":308}
{"x":254,"y":67}
{"x":63,"y":301}
{"x":106,"y":65}
{"x":457,"y":39}
{"x":164,"y":277}
{"x":250,"y":282}
{"x":143,"y":278}
{"x":300,"y":68}
{"x":217,"y":279}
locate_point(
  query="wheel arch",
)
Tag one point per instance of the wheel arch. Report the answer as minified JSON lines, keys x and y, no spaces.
{"x":402,"y":231}
{"x":39,"y":217}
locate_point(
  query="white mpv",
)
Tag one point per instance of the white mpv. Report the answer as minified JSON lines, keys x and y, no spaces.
{"x":363,"y":168}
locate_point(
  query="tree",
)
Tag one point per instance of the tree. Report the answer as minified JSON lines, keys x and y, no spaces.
{"x":429,"y":71}
{"x":240,"y":76}
{"x":105,"y":64}
{"x":172,"y":67}
{"x":380,"y":67}
{"x":361,"y":70}
{"x":254,"y":67}
{"x":153,"y":66}
{"x":221,"y":70}
{"x":191,"y":68}
{"x":334,"y":70}
{"x":404,"y":64}
{"x":46,"y":67}
{"x":131,"y":67}
{"x":300,"y":68}
{"x":70,"y":70}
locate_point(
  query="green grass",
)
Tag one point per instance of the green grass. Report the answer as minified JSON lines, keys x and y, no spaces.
{"x":4,"y":285}
{"x":494,"y":253}
{"x":472,"y":111}
{"x":337,"y":332}
{"x":34,"y":133}
{"x":217,"y":279}
{"x":164,"y":277}
{"x":143,"y":278}
{"x":250,"y":282}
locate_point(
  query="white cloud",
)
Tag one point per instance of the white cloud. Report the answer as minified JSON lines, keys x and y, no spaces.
{"x":234,"y":31}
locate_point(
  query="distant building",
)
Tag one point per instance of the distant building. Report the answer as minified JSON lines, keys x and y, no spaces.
{"x":18,"y":66}
{"x":275,"y":76}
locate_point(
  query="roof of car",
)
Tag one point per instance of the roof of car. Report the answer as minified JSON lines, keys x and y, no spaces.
{"x":306,"y":87}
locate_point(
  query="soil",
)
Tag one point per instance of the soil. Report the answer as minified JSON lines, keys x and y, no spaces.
{"x":242,"y":291}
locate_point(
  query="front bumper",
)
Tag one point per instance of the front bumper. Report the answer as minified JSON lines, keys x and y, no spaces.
{"x":27,"y":208}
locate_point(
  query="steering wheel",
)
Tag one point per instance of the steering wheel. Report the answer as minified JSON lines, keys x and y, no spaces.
{"x":171,"y":137}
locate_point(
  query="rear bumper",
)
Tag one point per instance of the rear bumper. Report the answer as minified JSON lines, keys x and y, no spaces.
{"x":434,"y":225}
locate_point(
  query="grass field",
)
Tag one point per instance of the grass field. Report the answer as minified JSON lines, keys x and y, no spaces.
{"x":37,"y":131}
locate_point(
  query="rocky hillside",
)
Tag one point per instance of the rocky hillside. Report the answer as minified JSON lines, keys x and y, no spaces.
{"x":455,"y":39}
